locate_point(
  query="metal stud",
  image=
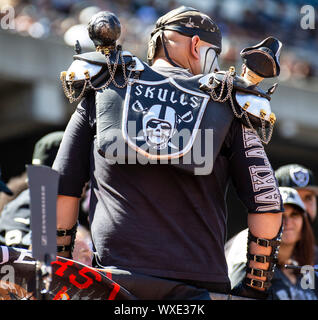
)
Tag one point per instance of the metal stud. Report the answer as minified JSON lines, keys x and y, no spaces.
{"x":232,"y":69}
{"x":262,"y":113}
{"x":272,"y":118}
{"x":63,"y":75}
{"x":246,"y":105}
{"x":86,"y":72}
{"x":71,"y":76}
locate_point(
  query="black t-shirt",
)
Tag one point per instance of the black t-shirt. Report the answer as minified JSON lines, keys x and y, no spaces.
{"x":158,"y":219}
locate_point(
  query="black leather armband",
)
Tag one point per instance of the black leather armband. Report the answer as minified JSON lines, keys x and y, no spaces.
{"x":67,"y":232}
{"x":264,"y":242}
{"x":261,"y":258}
{"x":255,"y":283}
{"x":260,"y":273}
{"x":271,"y":259}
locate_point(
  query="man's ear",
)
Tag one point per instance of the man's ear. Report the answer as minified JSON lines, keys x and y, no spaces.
{"x":195,"y":40}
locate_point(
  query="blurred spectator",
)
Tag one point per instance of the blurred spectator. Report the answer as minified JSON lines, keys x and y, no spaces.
{"x":4,"y":189}
{"x":303,"y":180}
{"x":16,"y":185}
{"x":147,"y":13}
{"x":15,"y":227}
{"x":15,"y":218}
{"x":301,"y":70}
{"x":249,"y":21}
{"x":232,"y":10}
{"x":297,"y":249}
{"x":79,"y":31}
{"x":82,"y":251}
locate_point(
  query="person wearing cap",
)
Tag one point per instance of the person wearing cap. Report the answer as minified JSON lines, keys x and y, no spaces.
{"x":15,"y":228}
{"x":296,"y":250}
{"x":303,"y":180}
{"x":160,"y":229}
{"x":46,"y":148}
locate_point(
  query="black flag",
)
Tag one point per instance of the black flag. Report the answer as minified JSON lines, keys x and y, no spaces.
{"x":43,"y":183}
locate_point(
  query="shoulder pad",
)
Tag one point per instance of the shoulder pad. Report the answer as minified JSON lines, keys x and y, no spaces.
{"x":78,"y":68}
{"x":255,"y":105}
{"x":213,"y":80}
{"x":95,"y":62}
{"x":93,"y":57}
{"x":207,"y":82}
{"x":243,"y":98}
{"x":96,"y":57}
{"x":91,"y":69}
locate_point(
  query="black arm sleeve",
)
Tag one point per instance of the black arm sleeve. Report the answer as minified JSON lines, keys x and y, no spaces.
{"x":251,"y":173}
{"x":73,"y":158}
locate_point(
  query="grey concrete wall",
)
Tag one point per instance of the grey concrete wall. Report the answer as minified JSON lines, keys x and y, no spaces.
{"x":29,"y":59}
{"x":30,"y":86}
{"x":296,"y":108}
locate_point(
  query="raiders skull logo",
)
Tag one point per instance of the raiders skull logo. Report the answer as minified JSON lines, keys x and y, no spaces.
{"x":299,"y":176}
{"x":155,"y":114}
{"x":159,"y":125}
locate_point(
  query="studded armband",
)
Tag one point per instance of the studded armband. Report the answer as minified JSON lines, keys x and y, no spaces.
{"x":271,"y":259}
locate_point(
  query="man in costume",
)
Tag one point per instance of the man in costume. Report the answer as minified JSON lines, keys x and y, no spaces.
{"x":157,"y":216}
{"x":302,"y":179}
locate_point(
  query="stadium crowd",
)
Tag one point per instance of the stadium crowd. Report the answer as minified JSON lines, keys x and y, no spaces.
{"x":241,"y":22}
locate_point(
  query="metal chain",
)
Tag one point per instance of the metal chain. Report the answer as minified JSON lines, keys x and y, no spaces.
{"x":271,"y":127}
{"x":124,"y":72}
{"x":69,"y":92}
{"x":228,"y":81}
{"x":263,"y":138}
{"x":112,"y":72}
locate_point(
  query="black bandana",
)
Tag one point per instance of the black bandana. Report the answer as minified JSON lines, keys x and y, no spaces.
{"x":189,"y":22}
